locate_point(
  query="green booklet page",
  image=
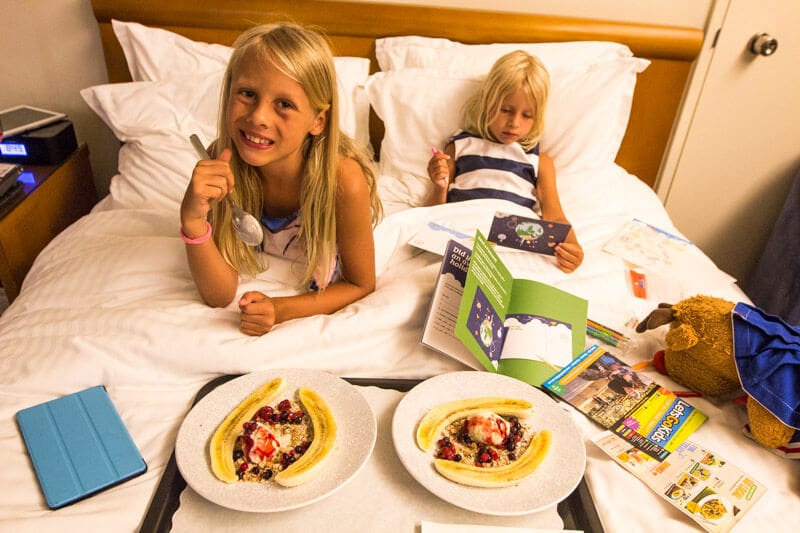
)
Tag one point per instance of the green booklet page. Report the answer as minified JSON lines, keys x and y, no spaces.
{"x":517,"y":327}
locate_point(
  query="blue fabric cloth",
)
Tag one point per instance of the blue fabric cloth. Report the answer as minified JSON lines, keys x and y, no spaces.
{"x":275,"y":224}
{"x":767,"y":353}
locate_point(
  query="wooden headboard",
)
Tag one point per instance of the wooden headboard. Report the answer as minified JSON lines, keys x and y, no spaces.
{"x":352,"y":28}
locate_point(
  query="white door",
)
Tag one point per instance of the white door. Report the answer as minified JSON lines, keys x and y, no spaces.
{"x":743,"y":142}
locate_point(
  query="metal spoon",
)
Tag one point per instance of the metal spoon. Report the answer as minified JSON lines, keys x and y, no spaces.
{"x":244,"y":224}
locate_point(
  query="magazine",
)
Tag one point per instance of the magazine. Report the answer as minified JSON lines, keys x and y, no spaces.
{"x":700,"y":483}
{"x":627,"y":402}
{"x":516,"y":327}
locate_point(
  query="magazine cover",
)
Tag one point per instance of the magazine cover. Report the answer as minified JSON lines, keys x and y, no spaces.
{"x":626,"y":402}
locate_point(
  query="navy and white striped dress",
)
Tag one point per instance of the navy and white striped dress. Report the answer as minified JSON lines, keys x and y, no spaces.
{"x":486,"y":169}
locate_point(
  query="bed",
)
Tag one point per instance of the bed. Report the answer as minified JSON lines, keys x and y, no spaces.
{"x":110,"y":301}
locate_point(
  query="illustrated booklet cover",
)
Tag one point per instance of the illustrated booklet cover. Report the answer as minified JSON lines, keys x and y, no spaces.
{"x":628,"y":403}
{"x":700,"y":483}
{"x":440,"y":325}
{"x":528,"y":234}
{"x":516,"y":327}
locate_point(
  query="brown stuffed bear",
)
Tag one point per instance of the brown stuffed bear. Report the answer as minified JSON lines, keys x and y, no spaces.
{"x":699,"y":354}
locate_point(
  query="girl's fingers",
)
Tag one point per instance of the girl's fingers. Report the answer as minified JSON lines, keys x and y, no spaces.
{"x":213,"y":179}
{"x":569,"y":256}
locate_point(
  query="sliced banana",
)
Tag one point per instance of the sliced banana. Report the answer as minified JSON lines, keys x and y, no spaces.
{"x":432,"y":424}
{"x":224,"y":438}
{"x":502,"y":476}
{"x":324,"y":427}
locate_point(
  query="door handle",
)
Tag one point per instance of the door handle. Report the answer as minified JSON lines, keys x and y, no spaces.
{"x":763,"y":44}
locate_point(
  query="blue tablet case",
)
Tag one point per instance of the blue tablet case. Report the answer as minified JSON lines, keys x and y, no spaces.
{"x":78,"y":446}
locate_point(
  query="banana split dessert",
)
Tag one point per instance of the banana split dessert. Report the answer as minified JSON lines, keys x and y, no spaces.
{"x":483,"y":442}
{"x":262,"y":440}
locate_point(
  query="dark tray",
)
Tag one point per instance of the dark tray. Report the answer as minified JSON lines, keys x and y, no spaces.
{"x":577,"y":510}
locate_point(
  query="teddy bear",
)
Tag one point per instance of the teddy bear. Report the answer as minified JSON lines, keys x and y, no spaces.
{"x":718,"y":348}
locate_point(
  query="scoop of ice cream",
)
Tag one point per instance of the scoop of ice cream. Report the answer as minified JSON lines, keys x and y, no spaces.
{"x":261,"y":444}
{"x":487,"y":428}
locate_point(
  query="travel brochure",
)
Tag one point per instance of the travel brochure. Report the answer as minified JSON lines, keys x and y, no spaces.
{"x":627,"y":402}
{"x":516,"y":327}
{"x":698,"y":482}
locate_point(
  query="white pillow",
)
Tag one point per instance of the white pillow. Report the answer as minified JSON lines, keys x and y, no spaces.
{"x":394,"y":53}
{"x":154,"y":119}
{"x":155,"y":54}
{"x":587,"y":115}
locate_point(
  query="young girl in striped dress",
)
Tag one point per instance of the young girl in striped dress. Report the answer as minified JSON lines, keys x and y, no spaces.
{"x":497,"y":154}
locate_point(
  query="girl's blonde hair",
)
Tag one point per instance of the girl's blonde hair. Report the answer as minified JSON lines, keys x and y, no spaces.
{"x":304,"y":56}
{"x":513,"y":70}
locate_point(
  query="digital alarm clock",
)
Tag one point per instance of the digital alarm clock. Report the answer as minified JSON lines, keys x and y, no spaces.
{"x":47,"y":145}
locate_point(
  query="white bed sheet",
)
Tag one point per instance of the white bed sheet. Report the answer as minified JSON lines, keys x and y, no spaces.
{"x":110,"y":301}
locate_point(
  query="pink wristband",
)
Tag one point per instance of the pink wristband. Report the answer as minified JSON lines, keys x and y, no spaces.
{"x":198,"y":240}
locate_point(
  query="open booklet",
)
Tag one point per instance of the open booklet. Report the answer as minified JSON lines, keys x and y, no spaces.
{"x":485,"y":318}
{"x":627,"y":402}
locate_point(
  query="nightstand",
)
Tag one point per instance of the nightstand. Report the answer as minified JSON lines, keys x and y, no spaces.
{"x":52,"y":198}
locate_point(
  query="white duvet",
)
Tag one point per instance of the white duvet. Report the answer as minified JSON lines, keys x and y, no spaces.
{"x":111,"y":302}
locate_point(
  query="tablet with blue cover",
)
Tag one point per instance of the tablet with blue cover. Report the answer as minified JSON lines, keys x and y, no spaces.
{"x":78,"y":445}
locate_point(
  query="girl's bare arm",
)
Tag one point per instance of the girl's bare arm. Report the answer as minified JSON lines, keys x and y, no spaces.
{"x":215,"y":279}
{"x":569,"y":254}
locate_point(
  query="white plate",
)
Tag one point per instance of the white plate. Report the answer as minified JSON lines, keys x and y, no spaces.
{"x":355,"y":438}
{"x":554,"y":479}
